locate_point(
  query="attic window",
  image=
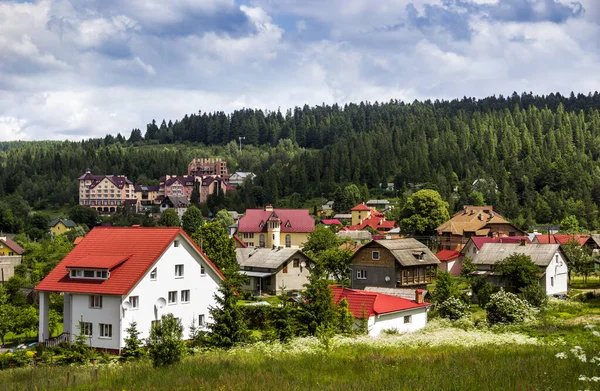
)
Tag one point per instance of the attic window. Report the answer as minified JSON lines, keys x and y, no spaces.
{"x":89,"y":274}
{"x":176,"y":243}
{"x":420,"y":256}
{"x":288,"y":224}
{"x":262,"y":224}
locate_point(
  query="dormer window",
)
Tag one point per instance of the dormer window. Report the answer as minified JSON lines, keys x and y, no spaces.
{"x":89,"y":273}
{"x":288,"y":224}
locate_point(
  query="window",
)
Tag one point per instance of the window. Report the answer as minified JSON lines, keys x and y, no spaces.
{"x":551,"y":281}
{"x":408,"y":319}
{"x":105,"y":330}
{"x":102,"y":274}
{"x":202,"y":270}
{"x":361,"y":274}
{"x":95,"y":301}
{"x":201,"y":320}
{"x":135,"y":302}
{"x":176,"y":243}
{"x":288,"y":240}
{"x":153,"y":275}
{"x":248,"y":235}
{"x":185,"y":296}
{"x":284,"y":268}
{"x":85,"y":328}
{"x":296,"y":262}
{"x":261,"y":240}
{"x":474,"y":249}
{"x":173,"y":297}
{"x":178,"y":270}
{"x":375,"y":255}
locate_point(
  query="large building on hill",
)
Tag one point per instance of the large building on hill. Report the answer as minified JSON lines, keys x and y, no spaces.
{"x":105,"y":193}
{"x":474,"y":221}
{"x":208,"y":167}
{"x":270,"y":227}
{"x":115,"y":276}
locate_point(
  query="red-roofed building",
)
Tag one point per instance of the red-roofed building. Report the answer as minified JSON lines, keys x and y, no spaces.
{"x":384,"y":311}
{"x":10,"y":256}
{"x":581,"y":239}
{"x":270,"y":227}
{"x":451,"y":261}
{"x":118,"y":275}
{"x":474,"y":244}
{"x":331,"y":222}
{"x":363,"y":217}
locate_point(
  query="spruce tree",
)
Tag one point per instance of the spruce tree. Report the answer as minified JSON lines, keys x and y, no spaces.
{"x":345,"y":318}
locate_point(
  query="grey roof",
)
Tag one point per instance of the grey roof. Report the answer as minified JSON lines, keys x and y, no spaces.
{"x":327,"y":206}
{"x":178,"y":201}
{"x":343,"y":216}
{"x":405,"y":293}
{"x":378,"y":202}
{"x":355,"y":235}
{"x":540,"y":254}
{"x":234,"y":214}
{"x":406,"y":250}
{"x":67,"y":223}
{"x":244,"y":174}
{"x":595,"y":238}
{"x":264,"y":257}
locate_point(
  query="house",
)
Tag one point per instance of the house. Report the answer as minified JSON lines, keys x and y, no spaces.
{"x":360,"y":212}
{"x":450,"y":261}
{"x":550,"y":258}
{"x":59,"y":226}
{"x":237,"y":179}
{"x":364,"y":217}
{"x":147,"y":195}
{"x":212,"y":185}
{"x":238,"y":243}
{"x":330,"y":222}
{"x":474,"y":221}
{"x":343,"y":217}
{"x":271,"y":270}
{"x":176,"y":185}
{"x":119,"y":275}
{"x":379,"y":205}
{"x":327,"y":209}
{"x":105,"y":193}
{"x":271,"y":227}
{"x":474,"y":244}
{"x":355,"y":236}
{"x":10,"y":256}
{"x":581,"y":239}
{"x":208,"y":167}
{"x":384,"y":312}
{"x":393,"y":263}
{"x":179,"y":203}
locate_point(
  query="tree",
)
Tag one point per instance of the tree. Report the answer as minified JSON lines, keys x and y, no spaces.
{"x":579,"y":259}
{"x":453,"y":308}
{"x":518,"y":270}
{"x":345,"y":318}
{"x":570,"y":225}
{"x":27,"y":320}
{"x":165,"y":343}
{"x":224,"y":218}
{"x":191,"y":220}
{"x":217,"y":246}
{"x":476,"y":198}
{"x":229,"y":326}
{"x":505,"y":307}
{"x":195,"y":197}
{"x":468,"y":267}
{"x":84,"y":215}
{"x":337,"y":264}
{"x":319,"y":240}
{"x":169,"y":218}
{"x":318,"y":310}
{"x":8,"y":314}
{"x":423,"y":211}
{"x":445,"y":288}
{"x":133,"y":344}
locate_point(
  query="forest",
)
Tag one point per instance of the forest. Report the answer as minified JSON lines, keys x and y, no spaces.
{"x":534,"y":158}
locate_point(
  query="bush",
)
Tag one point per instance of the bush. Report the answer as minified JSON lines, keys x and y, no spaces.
{"x":165,"y":341}
{"x":484,"y":294}
{"x":453,"y":308}
{"x":506,"y":307}
{"x":534,"y":295}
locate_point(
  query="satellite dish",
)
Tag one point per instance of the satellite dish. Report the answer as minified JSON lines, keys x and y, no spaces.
{"x":387,"y":278}
{"x":303,"y":264}
{"x":160,"y":302}
{"x":126,"y":305}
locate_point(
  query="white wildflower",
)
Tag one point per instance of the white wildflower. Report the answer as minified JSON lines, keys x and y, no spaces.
{"x":561,"y":355}
{"x":590,"y":326}
{"x":579,"y":353}
{"x":596,"y":333}
{"x":582,"y":378}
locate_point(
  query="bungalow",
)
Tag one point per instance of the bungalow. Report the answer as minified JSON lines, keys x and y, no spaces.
{"x":179,"y":203}
{"x":10,"y":256}
{"x":475,"y":243}
{"x":450,"y":261}
{"x":384,"y":312}
{"x":60,"y":226}
{"x":115,"y":276}
{"x":393,"y":263}
{"x":237,"y":179}
{"x":550,"y":258}
{"x":271,"y":270}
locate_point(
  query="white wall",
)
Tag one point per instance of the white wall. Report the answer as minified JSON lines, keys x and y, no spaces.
{"x":108,"y":314}
{"x":395,"y":320}
{"x":558,"y":271}
{"x":202,"y":290}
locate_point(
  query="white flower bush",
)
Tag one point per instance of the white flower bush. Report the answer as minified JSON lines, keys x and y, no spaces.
{"x":505,"y":307}
{"x":453,"y":308}
{"x":579,"y":354}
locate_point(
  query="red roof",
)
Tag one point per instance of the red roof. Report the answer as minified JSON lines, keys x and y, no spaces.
{"x":562,"y":238}
{"x":481,"y":240}
{"x":128,"y":252}
{"x":447,"y":255}
{"x":292,"y":220}
{"x":331,"y":222}
{"x":12,"y":245}
{"x":240,"y":241}
{"x":373,"y":303}
{"x":77,"y":240}
{"x":361,"y":206}
{"x":377,"y":223}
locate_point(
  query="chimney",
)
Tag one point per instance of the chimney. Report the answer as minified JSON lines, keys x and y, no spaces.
{"x":419,"y":296}
{"x":269,"y":208}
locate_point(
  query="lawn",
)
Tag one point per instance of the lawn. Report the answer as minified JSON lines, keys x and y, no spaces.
{"x":577,"y":282}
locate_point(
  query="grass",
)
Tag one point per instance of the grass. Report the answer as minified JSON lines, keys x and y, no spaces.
{"x":577,"y":282}
{"x":346,"y":368}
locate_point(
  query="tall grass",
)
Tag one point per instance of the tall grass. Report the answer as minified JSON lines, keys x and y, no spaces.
{"x":360,"y":367}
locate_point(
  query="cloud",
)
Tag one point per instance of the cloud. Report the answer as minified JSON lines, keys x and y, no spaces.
{"x":73,"y":69}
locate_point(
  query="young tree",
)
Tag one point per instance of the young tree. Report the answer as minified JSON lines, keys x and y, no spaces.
{"x":169,"y":218}
{"x":319,"y":240}
{"x":570,"y":225}
{"x":579,"y":259}
{"x":8,"y":315}
{"x":345,"y":318}
{"x":445,"y":288}
{"x":423,"y":211}
{"x":224,"y":218}
{"x":318,"y":310}
{"x":217,"y":245}
{"x":229,"y":326}
{"x":133,"y":344}
{"x":165,"y":342}
{"x":468,"y":267}
{"x":337,"y":264}
{"x":192,"y":220}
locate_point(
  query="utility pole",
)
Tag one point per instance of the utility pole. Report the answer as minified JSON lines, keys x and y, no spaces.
{"x":241,"y":138}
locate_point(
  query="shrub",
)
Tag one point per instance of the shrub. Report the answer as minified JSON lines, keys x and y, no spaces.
{"x":506,"y":307}
{"x":534,"y":295}
{"x":445,"y":287}
{"x":165,"y":341}
{"x":453,"y":308}
{"x":392,"y":331}
{"x":484,"y":293}
{"x":133,"y":349}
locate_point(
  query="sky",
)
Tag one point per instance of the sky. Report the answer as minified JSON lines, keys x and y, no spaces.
{"x":72,"y":69}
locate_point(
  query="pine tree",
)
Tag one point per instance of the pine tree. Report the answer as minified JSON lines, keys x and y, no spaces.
{"x":345,"y":318}
{"x":165,"y":343}
{"x":133,"y":344}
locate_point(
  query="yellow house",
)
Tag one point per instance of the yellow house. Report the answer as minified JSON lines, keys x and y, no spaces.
{"x":360,"y":212}
{"x":274,"y":228}
{"x":10,"y":256}
{"x":59,"y":226}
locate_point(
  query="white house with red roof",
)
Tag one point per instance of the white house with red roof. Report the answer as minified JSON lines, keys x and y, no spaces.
{"x":475,"y":243}
{"x":384,"y":312}
{"x":273,"y":228}
{"x":118,"y":275}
